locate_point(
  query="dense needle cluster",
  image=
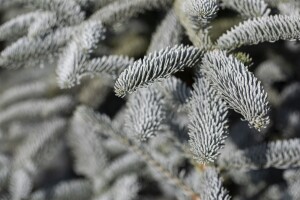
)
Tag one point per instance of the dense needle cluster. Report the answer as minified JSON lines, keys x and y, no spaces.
{"x":149,"y":99}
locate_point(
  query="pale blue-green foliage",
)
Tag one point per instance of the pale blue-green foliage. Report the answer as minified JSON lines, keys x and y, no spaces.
{"x":20,"y":184}
{"x":86,"y":144}
{"x":175,"y":91}
{"x":146,"y":114}
{"x":200,"y":13}
{"x":207,"y":116}
{"x":27,"y":50}
{"x":262,"y":29}
{"x":67,"y":11}
{"x":44,"y":141}
{"x":40,"y":108}
{"x":74,"y":189}
{"x":71,"y":65}
{"x":110,"y":65}
{"x":156,"y":66}
{"x":18,"y":26}
{"x":292,"y":178}
{"x":99,"y":169}
{"x":119,"y":11}
{"x":208,"y":184}
{"x":248,"y":8}
{"x":36,"y":89}
{"x":125,"y":188}
{"x":278,"y":154}
{"x":195,"y":17}
{"x":168,"y":33}
{"x":32,"y":155}
{"x":237,"y":86}
{"x":43,"y":24}
{"x":42,"y":123}
{"x":286,"y":7}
